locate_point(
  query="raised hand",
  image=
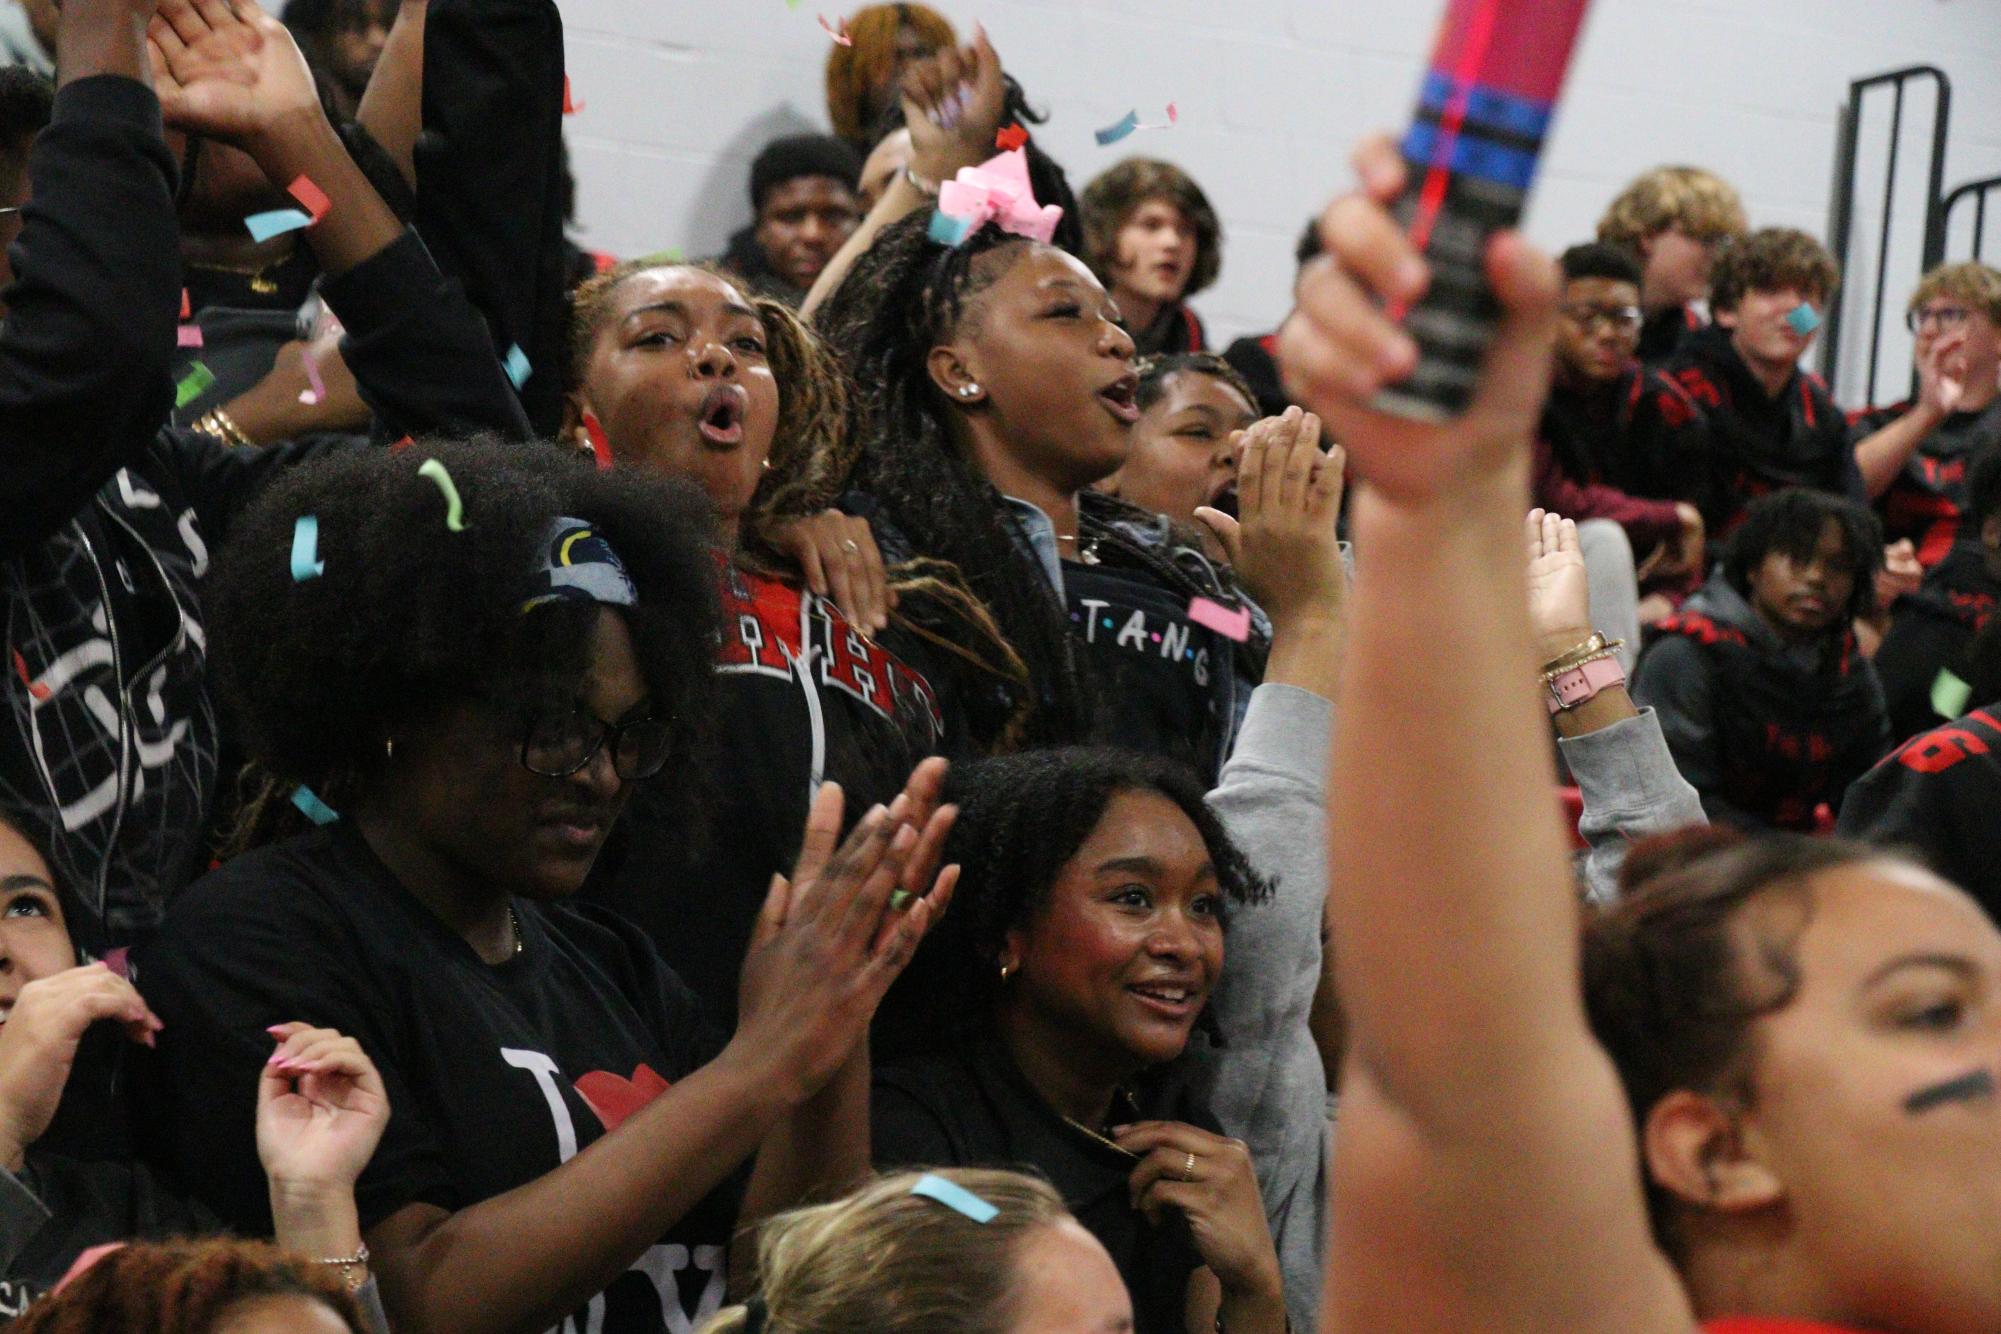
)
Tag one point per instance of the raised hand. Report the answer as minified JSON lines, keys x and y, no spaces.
{"x":1559,"y":592}
{"x":321,"y":1110}
{"x":1942,"y":373}
{"x":953,"y":102}
{"x":1282,"y":544}
{"x":1338,"y":348}
{"x":227,"y":70}
{"x":38,"y":1045}
{"x":833,"y":936}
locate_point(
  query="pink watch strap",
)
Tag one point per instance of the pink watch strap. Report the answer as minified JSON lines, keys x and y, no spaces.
{"x":1579,"y":684}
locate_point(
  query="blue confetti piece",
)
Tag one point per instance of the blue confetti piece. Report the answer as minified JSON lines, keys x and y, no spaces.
{"x":1111,"y":134}
{"x":954,"y":1197}
{"x":264,"y":226}
{"x":306,"y":562}
{"x":1803,"y":318}
{"x":947,"y":230}
{"x":517,"y":366}
{"x":314,"y":809}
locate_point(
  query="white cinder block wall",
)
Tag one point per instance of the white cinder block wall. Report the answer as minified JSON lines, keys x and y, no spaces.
{"x":679,"y":95}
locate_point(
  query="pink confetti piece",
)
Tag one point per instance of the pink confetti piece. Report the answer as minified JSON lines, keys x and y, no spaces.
{"x":1225,"y":622}
{"x":998,"y":191}
{"x":312,"y":397}
{"x":119,"y":961}
{"x":311,"y":198}
{"x":36,"y":689}
{"x":189,"y":336}
{"x":570,"y":105}
{"x":840,"y":37}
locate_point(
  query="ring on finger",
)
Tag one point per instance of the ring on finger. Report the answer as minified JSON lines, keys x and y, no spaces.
{"x":849,"y":544}
{"x":1188,"y":1169}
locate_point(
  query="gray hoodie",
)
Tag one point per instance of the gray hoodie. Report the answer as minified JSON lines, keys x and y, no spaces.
{"x":1268,"y":1086}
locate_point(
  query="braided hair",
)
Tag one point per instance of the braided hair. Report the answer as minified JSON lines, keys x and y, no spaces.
{"x":902,"y":298}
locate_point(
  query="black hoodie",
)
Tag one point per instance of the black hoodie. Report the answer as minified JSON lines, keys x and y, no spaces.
{"x":1760,"y":443}
{"x":1933,"y":630}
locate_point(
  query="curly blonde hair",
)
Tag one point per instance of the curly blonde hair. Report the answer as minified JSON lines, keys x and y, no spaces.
{"x":1698,"y":202}
{"x":885,"y":1261}
{"x":1978,"y":285}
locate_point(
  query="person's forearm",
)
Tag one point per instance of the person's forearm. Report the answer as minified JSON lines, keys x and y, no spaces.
{"x":317,"y":1221}
{"x":357,"y":224}
{"x":102,"y":37}
{"x":817,"y":1152}
{"x":1880,"y":457}
{"x":1608,"y":706}
{"x":526,"y":1259}
{"x":1454,"y":832}
{"x":1254,"y":1312}
{"x":392,"y":106}
{"x":1306,"y":652}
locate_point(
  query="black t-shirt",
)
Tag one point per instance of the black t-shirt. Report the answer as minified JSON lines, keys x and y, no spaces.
{"x":1153,"y":666}
{"x":973,"y":1108}
{"x":802,"y":697}
{"x":1938,"y":794}
{"x":484,"y":1064}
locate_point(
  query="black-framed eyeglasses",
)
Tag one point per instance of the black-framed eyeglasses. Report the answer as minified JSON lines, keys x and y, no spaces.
{"x":1621,"y":319}
{"x":1942,"y":318}
{"x":556,"y":745}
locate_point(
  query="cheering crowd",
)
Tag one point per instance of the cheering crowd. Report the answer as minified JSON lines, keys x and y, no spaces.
{"x":877,"y":782}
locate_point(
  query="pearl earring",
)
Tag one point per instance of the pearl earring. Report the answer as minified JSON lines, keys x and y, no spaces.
{"x":968,"y":390}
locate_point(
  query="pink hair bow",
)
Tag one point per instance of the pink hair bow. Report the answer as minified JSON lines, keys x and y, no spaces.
{"x":996,"y":191}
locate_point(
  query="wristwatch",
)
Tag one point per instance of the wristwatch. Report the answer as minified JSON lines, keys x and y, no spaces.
{"x":1569,"y":689}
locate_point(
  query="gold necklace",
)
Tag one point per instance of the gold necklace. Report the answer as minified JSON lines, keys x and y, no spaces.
{"x":515,"y":923}
{"x":1111,"y":1144}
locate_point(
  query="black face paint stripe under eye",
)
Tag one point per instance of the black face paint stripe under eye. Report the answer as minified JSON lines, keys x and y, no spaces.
{"x":1973,"y":1084}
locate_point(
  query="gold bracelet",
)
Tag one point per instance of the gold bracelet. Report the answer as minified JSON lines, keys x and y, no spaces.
{"x":1611,"y":650}
{"x":220,"y":426}
{"x":1596,"y":646}
{"x":348,"y":1264}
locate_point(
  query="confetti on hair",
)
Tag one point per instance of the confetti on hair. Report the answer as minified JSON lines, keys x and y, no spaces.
{"x":455,"y":512}
{"x":198,"y":381}
{"x":570,"y":105}
{"x":401,"y":445}
{"x":1225,"y":622}
{"x":317,"y":393}
{"x":1011,"y":138}
{"x":955,"y":1197}
{"x":188,"y":336}
{"x":306,"y":562}
{"x":312,"y":807}
{"x":311,"y":198}
{"x":1949,"y":694}
{"x":516,"y":365}
{"x":36,"y":690}
{"x":840,"y":35}
{"x":1130,"y":123}
{"x":1803,"y":318}
{"x":948,"y":231}
{"x":1967,"y":1087}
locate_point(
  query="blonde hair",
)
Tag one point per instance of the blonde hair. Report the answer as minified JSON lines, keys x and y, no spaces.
{"x":1699,"y":202}
{"x":885,"y":1261}
{"x":1970,"y":281}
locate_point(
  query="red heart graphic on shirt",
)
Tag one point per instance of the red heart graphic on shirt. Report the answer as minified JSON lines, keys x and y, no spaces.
{"x":613,"y":1097}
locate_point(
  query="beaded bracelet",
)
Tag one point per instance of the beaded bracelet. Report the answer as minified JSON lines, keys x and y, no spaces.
{"x":348,"y":1264}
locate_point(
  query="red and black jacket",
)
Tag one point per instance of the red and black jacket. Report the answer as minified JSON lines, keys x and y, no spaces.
{"x":1938,"y":793}
{"x":1928,"y":495}
{"x":1759,"y":443}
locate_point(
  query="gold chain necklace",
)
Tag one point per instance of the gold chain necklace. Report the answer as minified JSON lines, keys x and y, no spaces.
{"x":1111,"y":1144}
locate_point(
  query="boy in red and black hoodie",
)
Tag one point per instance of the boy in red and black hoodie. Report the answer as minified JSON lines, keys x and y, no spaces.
{"x":1915,"y":457}
{"x":1768,"y":707}
{"x":1619,"y":441}
{"x":1771,"y":424}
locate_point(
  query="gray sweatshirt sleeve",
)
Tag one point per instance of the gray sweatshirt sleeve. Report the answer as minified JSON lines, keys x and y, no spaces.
{"x":1269,"y":1087}
{"x":1631,"y":789}
{"x":22,"y":1215}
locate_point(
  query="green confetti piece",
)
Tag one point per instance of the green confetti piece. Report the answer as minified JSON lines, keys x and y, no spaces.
{"x":671,"y":255}
{"x":193,"y":385}
{"x":1949,"y":694}
{"x":454,"y":507}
